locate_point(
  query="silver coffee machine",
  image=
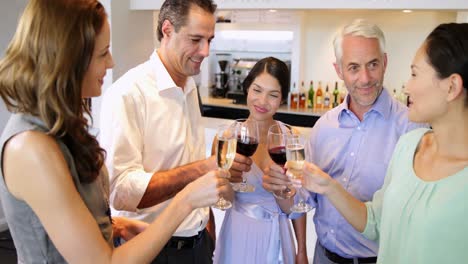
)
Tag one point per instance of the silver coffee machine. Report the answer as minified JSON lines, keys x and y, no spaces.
{"x":240,"y":68}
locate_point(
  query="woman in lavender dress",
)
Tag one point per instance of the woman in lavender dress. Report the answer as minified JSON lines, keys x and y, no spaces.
{"x":255,"y":230}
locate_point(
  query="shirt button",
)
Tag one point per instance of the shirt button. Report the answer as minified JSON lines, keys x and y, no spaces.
{"x":358,"y":128}
{"x":332,"y":231}
{"x":344,"y":179}
{"x":352,"y":154}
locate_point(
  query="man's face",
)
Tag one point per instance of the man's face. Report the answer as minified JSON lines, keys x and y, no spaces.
{"x":362,"y":69}
{"x":188,"y":47}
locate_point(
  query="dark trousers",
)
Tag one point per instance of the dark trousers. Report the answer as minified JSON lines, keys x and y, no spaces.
{"x":320,"y":257}
{"x":202,"y":253}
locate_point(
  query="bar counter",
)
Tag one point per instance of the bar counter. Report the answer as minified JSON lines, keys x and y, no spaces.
{"x":225,"y":108}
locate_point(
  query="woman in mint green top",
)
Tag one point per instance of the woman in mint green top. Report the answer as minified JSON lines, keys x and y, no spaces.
{"x":419,"y":215}
{"x":417,"y":220}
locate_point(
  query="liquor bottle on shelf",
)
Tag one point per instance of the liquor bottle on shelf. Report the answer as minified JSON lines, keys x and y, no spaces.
{"x":395,"y":95}
{"x":343,"y":92}
{"x":326,"y":99}
{"x":311,"y":95}
{"x":319,"y":97}
{"x":294,"y":97}
{"x":302,"y":97}
{"x":336,"y":94}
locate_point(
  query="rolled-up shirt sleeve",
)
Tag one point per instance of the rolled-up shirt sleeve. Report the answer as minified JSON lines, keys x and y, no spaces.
{"x":121,"y":137}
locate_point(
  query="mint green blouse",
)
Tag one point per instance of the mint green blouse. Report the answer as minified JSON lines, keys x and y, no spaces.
{"x":416,"y":221}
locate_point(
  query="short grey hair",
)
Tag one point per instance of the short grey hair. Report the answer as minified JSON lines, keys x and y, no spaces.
{"x":357,"y":28}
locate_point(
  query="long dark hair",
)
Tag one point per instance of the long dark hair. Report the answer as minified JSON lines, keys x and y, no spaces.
{"x":447,"y":51}
{"x":273,"y":66}
{"x":43,"y":70}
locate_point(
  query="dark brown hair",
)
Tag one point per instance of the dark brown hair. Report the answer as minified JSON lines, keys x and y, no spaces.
{"x":447,"y":51}
{"x":43,"y":70}
{"x":276,"y":68}
{"x":176,"y":11}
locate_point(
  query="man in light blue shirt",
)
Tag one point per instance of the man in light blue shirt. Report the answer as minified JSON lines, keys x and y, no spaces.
{"x":353,"y":142}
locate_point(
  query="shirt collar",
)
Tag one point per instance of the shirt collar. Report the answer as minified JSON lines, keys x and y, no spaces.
{"x":164,"y":80}
{"x":381,"y":106}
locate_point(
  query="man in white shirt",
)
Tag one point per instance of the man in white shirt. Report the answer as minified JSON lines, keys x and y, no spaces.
{"x":150,"y":128}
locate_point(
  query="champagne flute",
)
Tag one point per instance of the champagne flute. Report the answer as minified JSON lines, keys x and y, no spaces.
{"x":295,"y":155}
{"x":247,"y":143}
{"x":225,"y":153}
{"x":276,"y":141}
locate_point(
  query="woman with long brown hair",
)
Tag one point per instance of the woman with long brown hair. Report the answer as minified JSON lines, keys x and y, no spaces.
{"x":54,"y":187}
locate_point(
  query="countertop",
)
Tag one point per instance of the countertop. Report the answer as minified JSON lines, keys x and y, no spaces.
{"x":224,"y":102}
{"x":224,"y":108}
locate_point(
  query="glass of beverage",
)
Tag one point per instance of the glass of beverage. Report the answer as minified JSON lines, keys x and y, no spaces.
{"x":247,"y":143}
{"x":225,"y":153}
{"x":295,"y":155}
{"x":276,"y":141}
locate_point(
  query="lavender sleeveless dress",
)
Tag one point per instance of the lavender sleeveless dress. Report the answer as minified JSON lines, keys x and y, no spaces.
{"x":255,"y":230}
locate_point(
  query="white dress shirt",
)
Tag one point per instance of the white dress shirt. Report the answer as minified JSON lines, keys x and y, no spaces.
{"x":149,"y":124}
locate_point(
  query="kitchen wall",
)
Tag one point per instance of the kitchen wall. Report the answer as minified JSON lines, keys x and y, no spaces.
{"x":404,"y":33}
{"x":132,"y":36}
{"x":131,"y":43}
{"x":9,"y":12}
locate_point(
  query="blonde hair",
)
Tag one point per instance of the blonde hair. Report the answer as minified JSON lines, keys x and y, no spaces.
{"x":43,"y":70}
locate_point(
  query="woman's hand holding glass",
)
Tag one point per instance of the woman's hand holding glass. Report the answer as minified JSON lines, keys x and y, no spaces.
{"x":314,"y":180}
{"x":206,"y":190}
{"x":295,"y":155}
{"x":247,"y":143}
{"x":275,"y":180}
{"x":276,"y":140}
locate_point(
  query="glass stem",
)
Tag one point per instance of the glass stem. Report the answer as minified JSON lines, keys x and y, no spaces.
{"x":244,"y":180}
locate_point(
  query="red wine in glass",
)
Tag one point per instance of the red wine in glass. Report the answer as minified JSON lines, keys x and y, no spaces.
{"x":276,"y":140}
{"x":247,"y":146}
{"x":247,"y":143}
{"x":278,"y":155}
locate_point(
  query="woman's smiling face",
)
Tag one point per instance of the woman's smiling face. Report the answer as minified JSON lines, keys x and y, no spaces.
{"x":264,"y":97}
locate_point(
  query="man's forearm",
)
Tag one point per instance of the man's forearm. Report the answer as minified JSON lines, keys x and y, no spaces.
{"x":165,"y":184}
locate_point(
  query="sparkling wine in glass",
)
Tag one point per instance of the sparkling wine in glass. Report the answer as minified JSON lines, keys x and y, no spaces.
{"x":247,"y":143}
{"x":225,"y":153}
{"x":276,"y":140}
{"x":295,"y":155}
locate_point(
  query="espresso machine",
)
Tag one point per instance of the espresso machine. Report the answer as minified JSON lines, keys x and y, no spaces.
{"x":222,"y":78}
{"x":240,"y":68}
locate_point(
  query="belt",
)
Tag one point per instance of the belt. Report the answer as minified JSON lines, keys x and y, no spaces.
{"x":185,"y":242}
{"x":340,"y":260}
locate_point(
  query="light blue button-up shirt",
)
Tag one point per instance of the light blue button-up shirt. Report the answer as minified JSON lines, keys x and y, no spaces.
{"x":356,"y":154}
